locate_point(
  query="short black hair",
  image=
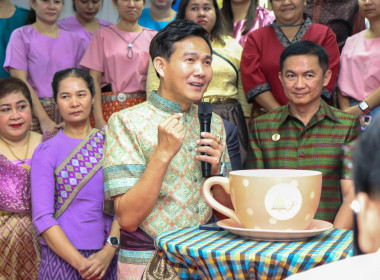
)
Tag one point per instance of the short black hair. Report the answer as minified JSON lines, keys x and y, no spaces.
{"x":163,"y":42}
{"x":72,"y":72}
{"x":10,"y":85}
{"x":366,"y":163}
{"x":306,"y":48}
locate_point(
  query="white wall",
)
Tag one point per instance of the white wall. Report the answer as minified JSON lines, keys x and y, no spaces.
{"x":107,"y":12}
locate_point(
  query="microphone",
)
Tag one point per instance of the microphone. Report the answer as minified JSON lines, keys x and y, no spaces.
{"x":205,"y":115}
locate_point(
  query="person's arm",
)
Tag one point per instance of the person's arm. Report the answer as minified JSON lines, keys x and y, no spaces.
{"x":331,"y":46}
{"x":137,"y":203}
{"x":98,"y":111}
{"x":233,"y":146}
{"x":38,"y":110}
{"x":105,"y":255}
{"x":255,"y":155}
{"x":152,"y":81}
{"x":343,"y":101}
{"x":343,"y":218}
{"x":242,"y":99}
{"x":267,"y":101}
{"x":58,"y":242}
{"x":373,"y":100}
{"x":233,"y":52}
{"x":252,"y":74}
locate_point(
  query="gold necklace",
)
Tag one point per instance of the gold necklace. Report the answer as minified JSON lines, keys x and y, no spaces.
{"x":24,"y":165}
{"x":54,"y":35}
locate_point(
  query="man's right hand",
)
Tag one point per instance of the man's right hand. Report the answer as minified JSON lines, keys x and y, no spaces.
{"x":170,"y":136}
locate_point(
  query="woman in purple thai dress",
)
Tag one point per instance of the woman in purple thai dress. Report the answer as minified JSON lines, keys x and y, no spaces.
{"x":79,"y":240}
{"x":18,"y":240}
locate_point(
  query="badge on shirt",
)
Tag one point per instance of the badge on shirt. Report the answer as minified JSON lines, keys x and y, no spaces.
{"x":276,"y":137}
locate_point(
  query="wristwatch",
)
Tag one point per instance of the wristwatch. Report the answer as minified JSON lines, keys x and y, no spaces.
{"x":364,"y":107}
{"x":113,"y":241}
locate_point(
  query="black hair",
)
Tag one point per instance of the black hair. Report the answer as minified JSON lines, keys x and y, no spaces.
{"x":32,"y":17}
{"x":219,"y":28}
{"x":163,"y":42}
{"x":306,"y":48}
{"x":366,"y":159}
{"x":228,"y":16}
{"x":72,"y":72}
{"x":10,"y":85}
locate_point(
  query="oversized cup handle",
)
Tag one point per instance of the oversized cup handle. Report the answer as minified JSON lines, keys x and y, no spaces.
{"x":224,"y":182}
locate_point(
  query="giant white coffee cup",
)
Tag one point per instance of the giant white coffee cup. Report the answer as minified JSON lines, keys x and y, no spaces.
{"x":271,"y":199}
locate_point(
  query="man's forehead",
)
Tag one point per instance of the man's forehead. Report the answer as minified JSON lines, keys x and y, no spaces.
{"x":192,"y":44}
{"x":298,"y":61}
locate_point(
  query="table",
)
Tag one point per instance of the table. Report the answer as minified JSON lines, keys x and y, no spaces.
{"x":207,"y":254}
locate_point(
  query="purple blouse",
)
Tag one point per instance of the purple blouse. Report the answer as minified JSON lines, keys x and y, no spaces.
{"x":14,"y":186}
{"x":263,"y":17}
{"x":42,"y":56}
{"x":72,"y":24}
{"x":84,"y":222}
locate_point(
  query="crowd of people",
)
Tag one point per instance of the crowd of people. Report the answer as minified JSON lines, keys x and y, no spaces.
{"x":100,"y":143}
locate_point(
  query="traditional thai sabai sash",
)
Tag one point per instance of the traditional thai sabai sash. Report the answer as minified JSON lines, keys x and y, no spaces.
{"x":75,"y":171}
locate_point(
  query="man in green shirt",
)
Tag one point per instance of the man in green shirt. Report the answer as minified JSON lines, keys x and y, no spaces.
{"x":307,"y":133}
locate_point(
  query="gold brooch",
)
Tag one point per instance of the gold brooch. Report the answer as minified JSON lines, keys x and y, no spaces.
{"x":276,"y":137}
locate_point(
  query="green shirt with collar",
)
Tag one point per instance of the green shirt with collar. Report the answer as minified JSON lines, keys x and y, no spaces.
{"x":279,"y":140}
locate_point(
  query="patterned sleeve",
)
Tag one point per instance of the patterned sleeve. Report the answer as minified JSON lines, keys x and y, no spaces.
{"x":124,"y":162}
{"x":348,"y":149}
{"x":253,"y":78}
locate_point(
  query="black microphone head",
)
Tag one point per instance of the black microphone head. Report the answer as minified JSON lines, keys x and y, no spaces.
{"x":205,"y":111}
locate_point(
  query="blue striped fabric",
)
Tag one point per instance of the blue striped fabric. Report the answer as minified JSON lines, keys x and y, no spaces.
{"x":202,"y":254}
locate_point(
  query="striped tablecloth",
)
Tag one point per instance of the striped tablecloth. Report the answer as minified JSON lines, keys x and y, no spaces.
{"x":205,"y":254}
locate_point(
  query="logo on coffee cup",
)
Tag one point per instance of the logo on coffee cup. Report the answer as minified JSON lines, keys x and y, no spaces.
{"x":283,"y":201}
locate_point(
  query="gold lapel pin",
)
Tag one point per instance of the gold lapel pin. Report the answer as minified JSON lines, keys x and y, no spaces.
{"x":276,"y":137}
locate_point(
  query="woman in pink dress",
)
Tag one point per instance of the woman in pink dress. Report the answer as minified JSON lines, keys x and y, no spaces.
{"x":243,"y":17}
{"x":119,"y":55}
{"x":359,"y":76}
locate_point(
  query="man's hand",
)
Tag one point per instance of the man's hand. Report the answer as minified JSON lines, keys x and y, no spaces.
{"x":170,"y":137}
{"x":213,"y":147}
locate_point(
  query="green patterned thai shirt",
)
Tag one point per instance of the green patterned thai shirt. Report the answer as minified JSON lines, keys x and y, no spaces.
{"x":280,"y":140}
{"x":130,"y":142}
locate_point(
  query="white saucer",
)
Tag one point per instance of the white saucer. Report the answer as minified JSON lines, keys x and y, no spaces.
{"x":316,"y":227}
